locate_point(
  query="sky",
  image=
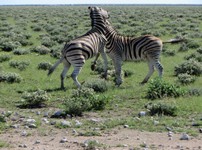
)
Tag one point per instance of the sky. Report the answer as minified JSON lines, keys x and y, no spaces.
{"x":22,"y":2}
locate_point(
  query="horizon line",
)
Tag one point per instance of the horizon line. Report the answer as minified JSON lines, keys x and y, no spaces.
{"x":89,"y":4}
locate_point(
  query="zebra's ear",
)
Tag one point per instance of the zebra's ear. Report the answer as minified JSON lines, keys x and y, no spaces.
{"x":89,"y":7}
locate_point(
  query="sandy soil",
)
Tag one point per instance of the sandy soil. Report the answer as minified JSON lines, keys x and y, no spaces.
{"x":117,"y":139}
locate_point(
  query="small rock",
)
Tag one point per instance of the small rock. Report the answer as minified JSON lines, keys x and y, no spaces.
{"x":59,"y":114}
{"x":142,"y":113}
{"x":32,"y":125}
{"x":24,"y":133}
{"x":78,"y":123}
{"x":37,"y":142}
{"x":38,"y":112}
{"x":200,"y":130}
{"x":66,"y":123}
{"x":74,"y":132}
{"x":31,"y":121}
{"x":126,"y":126}
{"x":156,"y":122}
{"x":63,"y":140}
{"x":45,"y":114}
{"x":185,"y":137}
{"x":170,"y":134}
{"x":23,"y":146}
{"x":168,"y":128}
{"x":15,"y":126}
{"x":53,"y":122}
{"x":195,"y":124}
{"x":45,"y":120}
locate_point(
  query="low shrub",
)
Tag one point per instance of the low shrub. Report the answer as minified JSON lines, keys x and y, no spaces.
{"x":169,"y":53}
{"x":10,"y":77}
{"x":44,"y":65}
{"x":183,"y":47}
{"x":161,"y":109}
{"x":84,"y":99}
{"x":21,"y":65}
{"x":128,"y":73}
{"x":4,"y":57}
{"x":35,"y":99}
{"x":185,"y":78}
{"x":42,"y":50}
{"x":195,"y":92}
{"x":159,"y":89}
{"x":20,"y":52}
{"x":196,"y":56}
{"x":98,"y":85}
{"x":191,"y":67}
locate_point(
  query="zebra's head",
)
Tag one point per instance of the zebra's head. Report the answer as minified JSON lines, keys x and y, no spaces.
{"x":99,"y":17}
{"x":98,"y":13}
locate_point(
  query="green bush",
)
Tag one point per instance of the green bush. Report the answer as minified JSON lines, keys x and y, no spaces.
{"x":191,"y":67}
{"x":42,"y":50}
{"x":159,"y":89}
{"x":20,"y":52}
{"x":44,"y":65}
{"x":84,"y":99}
{"x":196,"y":56}
{"x":35,"y":99}
{"x":4,"y":57}
{"x":185,"y":78}
{"x":21,"y":65}
{"x":10,"y":77}
{"x":161,"y":109}
{"x":98,"y":85}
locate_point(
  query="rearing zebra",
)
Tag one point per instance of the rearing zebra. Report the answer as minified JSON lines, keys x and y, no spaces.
{"x":121,"y":48}
{"x":77,"y":51}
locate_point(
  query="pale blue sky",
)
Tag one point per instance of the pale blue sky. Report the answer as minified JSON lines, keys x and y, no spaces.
{"x":20,"y":2}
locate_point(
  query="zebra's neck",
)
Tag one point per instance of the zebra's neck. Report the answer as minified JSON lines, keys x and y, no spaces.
{"x":99,"y":24}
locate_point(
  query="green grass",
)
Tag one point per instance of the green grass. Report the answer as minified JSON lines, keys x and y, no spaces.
{"x":125,"y":101}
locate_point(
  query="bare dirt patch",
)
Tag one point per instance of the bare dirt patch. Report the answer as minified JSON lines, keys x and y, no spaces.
{"x":116,"y":139}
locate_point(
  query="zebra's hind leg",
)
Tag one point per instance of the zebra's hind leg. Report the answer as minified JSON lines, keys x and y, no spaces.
{"x":159,"y":67}
{"x":63,"y":74}
{"x":93,"y":66}
{"x":151,"y":71}
{"x":75,"y":74}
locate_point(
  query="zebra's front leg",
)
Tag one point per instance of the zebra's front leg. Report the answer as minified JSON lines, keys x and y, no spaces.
{"x":151,"y":70}
{"x":104,"y":56}
{"x":93,"y":66}
{"x":118,"y":77}
{"x":75,"y":74}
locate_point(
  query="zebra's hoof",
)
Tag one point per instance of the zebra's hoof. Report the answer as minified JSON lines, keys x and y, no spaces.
{"x":93,"y":67}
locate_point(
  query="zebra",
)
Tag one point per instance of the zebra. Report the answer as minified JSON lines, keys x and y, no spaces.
{"x":77,"y":51}
{"x":121,"y":48}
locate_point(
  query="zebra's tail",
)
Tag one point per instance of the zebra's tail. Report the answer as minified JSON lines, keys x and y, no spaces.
{"x":174,"y":41}
{"x":55,"y":66}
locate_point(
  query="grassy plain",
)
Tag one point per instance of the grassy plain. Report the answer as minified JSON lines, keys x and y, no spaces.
{"x":63,"y":23}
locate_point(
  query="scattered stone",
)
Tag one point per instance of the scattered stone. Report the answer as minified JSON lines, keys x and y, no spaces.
{"x":142,"y":113}
{"x":45,"y":120}
{"x":168,"y":128}
{"x":65,"y":123}
{"x":38,"y":112}
{"x":37,"y":142}
{"x":29,"y":121}
{"x":53,"y":122}
{"x":63,"y":140}
{"x":195,"y":124}
{"x":24,"y":133}
{"x":15,"y":126}
{"x":156,"y":122}
{"x":185,"y":137}
{"x":74,"y":132}
{"x":32,"y":125}
{"x":170,"y":134}
{"x":59,"y":114}
{"x":200,"y":130}
{"x":23,"y":146}
{"x":78,"y":123}
{"x":126,"y":126}
{"x":94,"y":120}
{"x":46,"y":114}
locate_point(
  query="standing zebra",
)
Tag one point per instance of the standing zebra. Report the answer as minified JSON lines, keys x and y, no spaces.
{"x":77,"y":51}
{"x":121,"y":48}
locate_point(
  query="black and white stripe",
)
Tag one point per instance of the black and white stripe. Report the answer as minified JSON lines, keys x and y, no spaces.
{"x":121,"y":48}
{"x":77,"y":51}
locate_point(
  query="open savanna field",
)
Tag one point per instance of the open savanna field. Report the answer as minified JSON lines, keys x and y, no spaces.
{"x":131,"y":116}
